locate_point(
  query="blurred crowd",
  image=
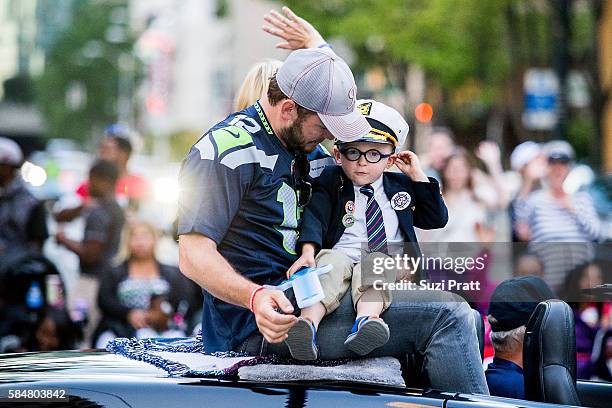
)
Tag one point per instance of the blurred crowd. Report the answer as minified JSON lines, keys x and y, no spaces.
{"x":122,"y":289}
{"x":555,"y":228}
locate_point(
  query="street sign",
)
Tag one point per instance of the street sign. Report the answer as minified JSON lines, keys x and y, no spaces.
{"x":541,"y":110}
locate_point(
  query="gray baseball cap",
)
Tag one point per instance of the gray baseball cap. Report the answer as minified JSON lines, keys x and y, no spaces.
{"x":320,"y":81}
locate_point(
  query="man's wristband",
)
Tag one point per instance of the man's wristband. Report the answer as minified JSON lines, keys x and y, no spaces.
{"x":252,"y":297}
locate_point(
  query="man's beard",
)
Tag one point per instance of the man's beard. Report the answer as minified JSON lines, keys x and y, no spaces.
{"x":294,"y":138}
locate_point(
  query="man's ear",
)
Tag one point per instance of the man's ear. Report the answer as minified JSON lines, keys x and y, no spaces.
{"x":336,"y":153}
{"x":288,"y":111}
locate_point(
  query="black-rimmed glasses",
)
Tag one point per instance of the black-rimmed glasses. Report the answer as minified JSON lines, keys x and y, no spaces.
{"x":371,"y":156}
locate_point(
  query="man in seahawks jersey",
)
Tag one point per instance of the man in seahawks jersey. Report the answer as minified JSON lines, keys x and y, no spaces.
{"x":242,"y":188}
{"x":242,"y":184}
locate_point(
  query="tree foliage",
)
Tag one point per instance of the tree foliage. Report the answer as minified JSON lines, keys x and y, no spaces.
{"x":474,"y":51}
{"x":455,"y":41}
{"x":84,"y":60}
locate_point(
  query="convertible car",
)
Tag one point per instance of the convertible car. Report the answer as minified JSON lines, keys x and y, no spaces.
{"x":101,"y":379}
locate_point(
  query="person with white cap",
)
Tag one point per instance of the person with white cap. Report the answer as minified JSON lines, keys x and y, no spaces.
{"x":243,"y":185}
{"x":558,"y":225}
{"x":356,"y":203}
{"x":23,"y":225}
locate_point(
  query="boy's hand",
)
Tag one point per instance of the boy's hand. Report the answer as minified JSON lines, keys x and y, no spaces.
{"x":307,"y":259}
{"x":409,"y":164}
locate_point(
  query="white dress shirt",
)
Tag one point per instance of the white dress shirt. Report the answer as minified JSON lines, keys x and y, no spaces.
{"x":355,"y":238}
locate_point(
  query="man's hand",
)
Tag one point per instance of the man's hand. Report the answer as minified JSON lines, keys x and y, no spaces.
{"x":409,"y":164}
{"x":137,"y":318}
{"x":306,"y":259}
{"x":272,"y":324}
{"x":296,"y":32}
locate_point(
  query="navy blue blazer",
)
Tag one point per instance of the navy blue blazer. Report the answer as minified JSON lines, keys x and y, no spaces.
{"x":322,"y":217}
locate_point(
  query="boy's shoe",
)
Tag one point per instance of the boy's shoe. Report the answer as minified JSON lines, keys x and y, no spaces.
{"x":302,"y":340}
{"x":367,"y":334}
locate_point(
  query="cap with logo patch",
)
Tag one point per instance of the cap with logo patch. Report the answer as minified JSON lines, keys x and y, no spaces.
{"x":318,"y":80}
{"x":388,"y":125}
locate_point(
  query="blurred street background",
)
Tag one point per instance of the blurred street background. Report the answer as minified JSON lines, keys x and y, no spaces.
{"x":490,"y":75}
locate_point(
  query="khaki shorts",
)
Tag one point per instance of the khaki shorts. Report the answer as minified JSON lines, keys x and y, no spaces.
{"x":347,"y":273}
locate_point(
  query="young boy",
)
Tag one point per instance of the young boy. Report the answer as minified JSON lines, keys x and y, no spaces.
{"x":358,"y":205}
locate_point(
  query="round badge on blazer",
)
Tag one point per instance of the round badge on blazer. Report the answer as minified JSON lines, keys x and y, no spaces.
{"x":348,"y":220}
{"x":400,"y":201}
{"x":350,"y":207}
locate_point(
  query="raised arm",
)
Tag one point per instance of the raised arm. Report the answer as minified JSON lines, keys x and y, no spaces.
{"x":490,"y":155}
{"x":295,"y":32}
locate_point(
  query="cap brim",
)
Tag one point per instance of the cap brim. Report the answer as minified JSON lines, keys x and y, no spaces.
{"x":368,"y":140}
{"x":559,"y":157}
{"x":347,"y":128}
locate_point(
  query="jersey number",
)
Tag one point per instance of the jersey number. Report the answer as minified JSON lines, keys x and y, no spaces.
{"x":288,"y":229}
{"x":246,"y":123}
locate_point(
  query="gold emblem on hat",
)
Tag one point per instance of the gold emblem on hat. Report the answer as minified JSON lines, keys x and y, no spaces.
{"x":365,"y":108}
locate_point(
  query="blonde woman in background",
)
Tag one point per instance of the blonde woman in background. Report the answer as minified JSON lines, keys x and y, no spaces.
{"x":255,"y":85}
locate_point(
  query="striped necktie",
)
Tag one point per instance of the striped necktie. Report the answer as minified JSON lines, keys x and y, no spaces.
{"x":377,"y":237}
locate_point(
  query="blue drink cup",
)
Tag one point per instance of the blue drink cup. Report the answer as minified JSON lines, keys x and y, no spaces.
{"x":306,"y":285}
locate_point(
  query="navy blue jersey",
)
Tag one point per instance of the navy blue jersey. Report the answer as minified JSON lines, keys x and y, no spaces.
{"x":237,"y":189}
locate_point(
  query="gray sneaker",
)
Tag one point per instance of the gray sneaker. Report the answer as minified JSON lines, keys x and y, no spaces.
{"x":366,"y":335}
{"x":302,"y":340}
